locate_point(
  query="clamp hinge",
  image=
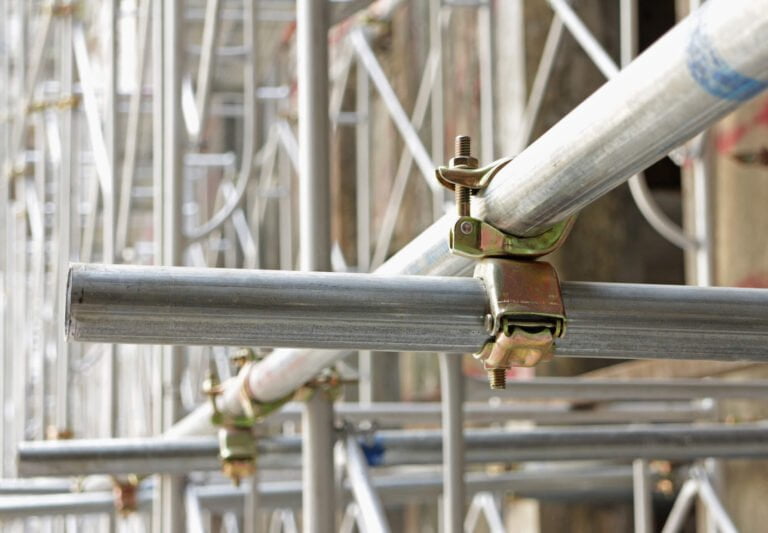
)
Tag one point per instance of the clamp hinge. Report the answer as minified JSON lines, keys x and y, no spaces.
{"x":474,"y":238}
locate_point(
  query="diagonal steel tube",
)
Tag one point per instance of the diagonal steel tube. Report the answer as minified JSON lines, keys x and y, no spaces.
{"x":713,"y":504}
{"x":410,"y":135}
{"x":403,"y":173}
{"x":366,"y":497}
{"x":638,"y":186}
{"x":696,"y":73}
{"x":207,"y":61}
{"x":540,"y":83}
{"x":682,"y":505}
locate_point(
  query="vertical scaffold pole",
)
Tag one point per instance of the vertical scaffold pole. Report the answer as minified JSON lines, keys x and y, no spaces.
{"x":318,"y":506}
{"x":169,"y":510}
{"x":453,"y":442}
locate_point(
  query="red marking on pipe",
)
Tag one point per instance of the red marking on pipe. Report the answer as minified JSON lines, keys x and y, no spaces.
{"x":758,"y":280}
{"x":762,"y":115}
{"x":726,"y":140}
{"x":288,"y":33}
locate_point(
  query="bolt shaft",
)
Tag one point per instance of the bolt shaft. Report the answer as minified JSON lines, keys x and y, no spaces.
{"x":497,"y":377}
{"x":462,"y":148}
{"x":462,"y":200}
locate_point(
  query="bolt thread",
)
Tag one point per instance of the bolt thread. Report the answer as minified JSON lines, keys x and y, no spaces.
{"x":462,"y":146}
{"x":497,"y":377}
{"x":462,"y":200}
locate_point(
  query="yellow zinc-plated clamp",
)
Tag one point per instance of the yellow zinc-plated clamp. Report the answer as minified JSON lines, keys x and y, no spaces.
{"x":65,"y":102}
{"x":16,"y":171}
{"x":527,"y":312}
{"x":329,"y":381}
{"x":253,"y":411}
{"x":475,"y":238}
{"x":527,"y":315}
{"x":238,"y":451}
{"x":126,"y":495}
{"x":59,"y":9}
{"x":238,"y":448}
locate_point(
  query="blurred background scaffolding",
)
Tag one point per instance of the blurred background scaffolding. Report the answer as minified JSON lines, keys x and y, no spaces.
{"x":165,"y":133}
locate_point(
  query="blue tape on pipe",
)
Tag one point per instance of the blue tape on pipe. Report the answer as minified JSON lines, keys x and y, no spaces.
{"x":713,"y":74}
{"x":373,"y":451}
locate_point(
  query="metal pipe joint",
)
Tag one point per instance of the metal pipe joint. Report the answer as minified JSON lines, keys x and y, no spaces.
{"x":527,"y":311}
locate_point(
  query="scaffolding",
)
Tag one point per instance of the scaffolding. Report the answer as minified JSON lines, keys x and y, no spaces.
{"x":148,"y":142}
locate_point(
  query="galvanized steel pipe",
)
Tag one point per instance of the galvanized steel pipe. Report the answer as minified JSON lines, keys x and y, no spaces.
{"x":22,"y":507}
{"x":399,"y":414}
{"x":112,"y":303}
{"x":273,"y":308}
{"x":394,"y":489}
{"x":360,"y":481}
{"x":403,"y":489}
{"x":699,"y":71}
{"x":629,"y":442}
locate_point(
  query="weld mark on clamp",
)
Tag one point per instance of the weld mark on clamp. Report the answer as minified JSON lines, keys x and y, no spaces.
{"x":713,"y":74}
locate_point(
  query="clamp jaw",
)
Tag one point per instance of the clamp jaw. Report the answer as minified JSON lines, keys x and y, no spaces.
{"x":526,"y":306}
{"x":527,"y":315}
{"x":126,"y":494}
{"x":238,"y":448}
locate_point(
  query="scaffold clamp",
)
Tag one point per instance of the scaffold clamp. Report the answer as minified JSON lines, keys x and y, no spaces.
{"x":527,"y":315}
{"x":237,"y":441}
{"x":527,"y":312}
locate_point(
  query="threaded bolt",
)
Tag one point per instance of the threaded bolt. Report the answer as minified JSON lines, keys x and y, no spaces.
{"x":462,"y":200}
{"x":462,"y":148}
{"x":497,"y":377}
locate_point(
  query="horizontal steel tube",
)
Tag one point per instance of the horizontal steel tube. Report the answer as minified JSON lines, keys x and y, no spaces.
{"x":271,"y":308}
{"x":397,"y":489}
{"x":629,"y":389}
{"x":401,"y":489}
{"x":400,"y":413}
{"x":415,"y":313}
{"x":674,"y":442}
{"x":162,"y":455}
{"x":143,"y":455}
{"x":19,"y":487}
{"x":665,"y":322}
{"x":116,"y":456}
{"x":82,"y":503}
